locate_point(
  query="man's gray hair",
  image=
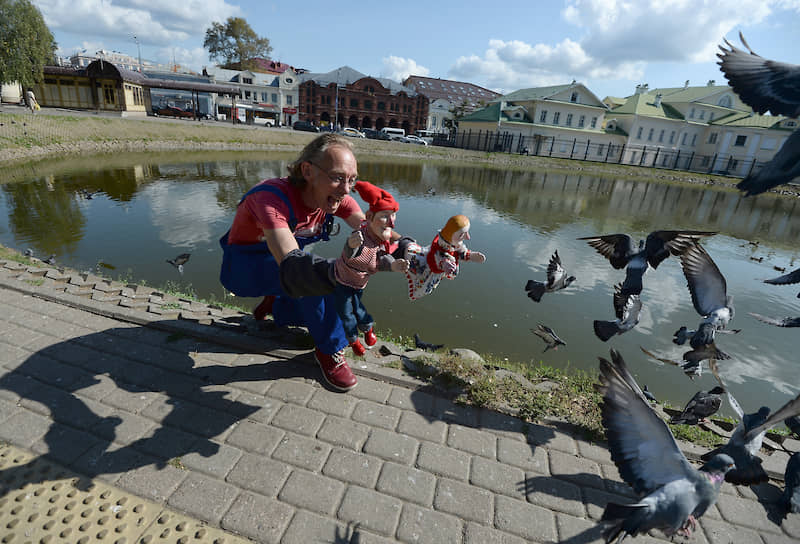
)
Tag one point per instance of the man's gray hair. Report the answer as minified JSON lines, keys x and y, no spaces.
{"x":314,"y":152}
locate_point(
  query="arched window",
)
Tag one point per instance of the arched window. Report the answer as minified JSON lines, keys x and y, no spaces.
{"x":725,"y":101}
{"x":574,"y":97}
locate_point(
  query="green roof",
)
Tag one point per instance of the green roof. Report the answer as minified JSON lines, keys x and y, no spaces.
{"x":755,"y":120}
{"x":688,"y":94}
{"x":489,"y":113}
{"x":535,"y":93}
{"x":644,"y":104}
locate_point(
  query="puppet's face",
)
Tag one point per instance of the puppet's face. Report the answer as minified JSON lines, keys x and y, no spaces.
{"x":460,"y":235}
{"x":381,"y":224}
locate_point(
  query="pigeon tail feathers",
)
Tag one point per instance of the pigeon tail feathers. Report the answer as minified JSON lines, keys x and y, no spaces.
{"x":605,"y":329}
{"x":535,"y":290}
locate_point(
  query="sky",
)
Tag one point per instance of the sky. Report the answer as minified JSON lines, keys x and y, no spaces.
{"x":608,"y":45}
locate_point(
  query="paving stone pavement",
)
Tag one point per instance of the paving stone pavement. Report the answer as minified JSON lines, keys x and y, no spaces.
{"x":199,"y":410}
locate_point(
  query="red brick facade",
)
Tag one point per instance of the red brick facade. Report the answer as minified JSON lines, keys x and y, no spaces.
{"x":365,"y":103}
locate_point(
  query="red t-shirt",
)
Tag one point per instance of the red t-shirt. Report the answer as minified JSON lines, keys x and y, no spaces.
{"x":266,"y":210}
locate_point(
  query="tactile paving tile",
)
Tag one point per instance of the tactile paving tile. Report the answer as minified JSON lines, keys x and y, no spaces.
{"x":43,"y":503}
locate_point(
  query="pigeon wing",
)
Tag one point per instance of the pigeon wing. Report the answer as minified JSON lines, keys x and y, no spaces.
{"x":555,"y":272}
{"x":641,"y":445}
{"x":764,"y":85}
{"x":617,"y":248}
{"x":783,"y":168}
{"x":778,"y":321}
{"x":786,"y":279}
{"x":791,"y":408}
{"x":620,"y":300}
{"x":660,"y":244}
{"x":706,"y":283}
{"x":183,"y":258}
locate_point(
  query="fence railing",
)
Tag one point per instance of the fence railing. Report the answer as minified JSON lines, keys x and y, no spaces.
{"x":585,"y":150}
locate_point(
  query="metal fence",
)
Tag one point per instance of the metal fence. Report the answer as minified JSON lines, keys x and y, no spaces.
{"x":586,"y":150}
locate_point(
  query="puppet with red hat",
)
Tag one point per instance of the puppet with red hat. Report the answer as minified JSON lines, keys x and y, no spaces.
{"x":366,"y":252}
{"x":427,"y":265}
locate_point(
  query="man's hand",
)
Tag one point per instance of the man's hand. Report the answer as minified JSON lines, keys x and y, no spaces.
{"x":400,"y":265}
{"x":355,"y":239}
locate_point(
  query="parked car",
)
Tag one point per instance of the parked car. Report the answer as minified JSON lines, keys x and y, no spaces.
{"x":172,"y":111}
{"x":306,"y":126}
{"x":411,"y":139}
{"x":373,"y":134}
{"x":352,"y":132}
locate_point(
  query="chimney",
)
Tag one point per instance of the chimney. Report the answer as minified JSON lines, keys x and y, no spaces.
{"x":711,"y":83}
{"x":645,"y":87}
{"x":657,"y":102}
{"x":686,"y":85}
{"x":638,"y":89}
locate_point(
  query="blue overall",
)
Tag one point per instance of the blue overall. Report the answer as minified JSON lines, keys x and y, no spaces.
{"x":251,"y":271}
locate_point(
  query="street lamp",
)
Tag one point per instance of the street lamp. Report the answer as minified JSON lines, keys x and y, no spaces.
{"x":139,"y":49}
{"x":336,"y":105}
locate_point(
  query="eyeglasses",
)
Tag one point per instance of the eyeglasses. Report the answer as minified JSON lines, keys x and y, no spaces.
{"x":338,"y":179}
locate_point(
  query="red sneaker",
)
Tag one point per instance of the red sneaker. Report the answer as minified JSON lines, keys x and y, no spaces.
{"x":335,"y":370}
{"x":358,"y":349}
{"x":265,"y":308}
{"x":370,"y":338}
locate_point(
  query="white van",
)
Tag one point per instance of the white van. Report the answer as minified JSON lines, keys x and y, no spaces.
{"x":394,"y":133}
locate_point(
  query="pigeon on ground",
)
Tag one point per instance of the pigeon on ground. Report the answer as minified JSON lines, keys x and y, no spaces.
{"x":709,"y":294}
{"x":627,"y":309}
{"x":51,"y":260}
{"x":556,"y":279}
{"x":179,"y":261}
{"x":28,"y":252}
{"x":648,"y":395}
{"x":672,"y":493}
{"x":701,"y":406}
{"x":786,"y":279}
{"x":794,"y":424}
{"x":549,"y":336}
{"x":425,"y":346}
{"x":790,"y":500}
{"x":622,"y":252}
{"x":745,"y":442}
{"x":766,"y":85}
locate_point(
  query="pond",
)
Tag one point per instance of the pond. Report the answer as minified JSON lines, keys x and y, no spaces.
{"x":127,"y":216}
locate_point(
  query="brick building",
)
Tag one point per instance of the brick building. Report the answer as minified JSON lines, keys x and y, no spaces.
{"x":363,"y":101}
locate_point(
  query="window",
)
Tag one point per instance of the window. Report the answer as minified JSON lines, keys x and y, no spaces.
{"x":433,"y":121}
{"x":710,"y":116}
{"x":367,"y":104}
{"x":543,"y":116}
{"x":594,"y":122}
{"x":556,"y":116}
{"x":712,"y":138}
{"x":274,"y":98}
{"x":247,"y":80}
{"x":790,"y":124}
{"x":263,"y":97}
{"x":288,"y":100}
{"x":661,"y":136}
{"x":574,"y":97}
{"x":725,"y":101}
{"x":381,"y":106}
{"x":694,"y":140}
{"x":691,"y":114}
{"x":683,"y":139}
{"x":740,"y":140}
{"x":569,"y":119}
{"x":650,"y":135}
{"x":702,"y":114}
{"x":600,"y":149}
{"x":706,"y":159}
{"x":581,"y":121}
{"x":672,"y":137}
{"x":354,"y":102}
{"x":639,"y":133}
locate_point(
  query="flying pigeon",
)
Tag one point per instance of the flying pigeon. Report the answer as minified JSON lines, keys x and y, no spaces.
{"x":549,"y":336}
{"x":790,"y":500}
{"x":745,"y":442}
{"x":672,"y":493}
{"x":778,"y":321}
{"x":702,"y":405}
{"x":766,"y":85}
{"x":622,"y":252}
{"x":425,"y":346}
{"x":627,"y":309}
{"x":709,"y":294}
{"x":692,"y":361}
{"x":786,"y":279}
{"x":556,"y":279}
{"x":179,"y":261}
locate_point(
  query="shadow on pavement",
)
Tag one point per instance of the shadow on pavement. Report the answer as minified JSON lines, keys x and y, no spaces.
{"x":83,"y":382}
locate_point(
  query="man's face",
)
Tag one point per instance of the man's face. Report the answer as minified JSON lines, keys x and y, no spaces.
{"x":381,"y":224}
{"x":331,"y":179}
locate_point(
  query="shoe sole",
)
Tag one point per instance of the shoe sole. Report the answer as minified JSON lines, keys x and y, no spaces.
{"x":325,"y":377}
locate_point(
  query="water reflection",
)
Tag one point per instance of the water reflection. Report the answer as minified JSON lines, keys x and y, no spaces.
{"x":147,"y":211}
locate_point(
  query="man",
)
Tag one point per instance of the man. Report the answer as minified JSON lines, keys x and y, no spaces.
{"x":263,"y":253}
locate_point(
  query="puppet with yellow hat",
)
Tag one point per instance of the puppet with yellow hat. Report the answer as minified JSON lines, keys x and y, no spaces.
{"x":429,"y":264}
{"x":366,"y":252}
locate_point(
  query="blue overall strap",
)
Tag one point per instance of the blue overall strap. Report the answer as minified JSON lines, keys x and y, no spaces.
{"x":280,"y":194}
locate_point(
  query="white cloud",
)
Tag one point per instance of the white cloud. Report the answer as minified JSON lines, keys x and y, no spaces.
{"x":153,"y":24}
{"x":399,"y":68}
{"x":614,"y":40}
{"x":194,"y":59}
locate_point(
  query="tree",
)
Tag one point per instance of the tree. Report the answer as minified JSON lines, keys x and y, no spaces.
{"x":235,"y":42}
{"x":26,"y":43}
